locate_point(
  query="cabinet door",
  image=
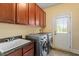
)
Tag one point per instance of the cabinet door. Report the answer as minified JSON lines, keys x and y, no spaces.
{"x":7,"y":12}
{"x":44,"y":19}
{"x":28,"y":47}
{"x":32,"y":13}
{"x":37,"y":15}
{"x":22,"y":13}
{"x":41,"y":17}
{"x":16,"y":53}
{"x":29,"y":53}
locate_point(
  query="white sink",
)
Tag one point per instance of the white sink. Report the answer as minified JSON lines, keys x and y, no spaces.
{"x":6,"y":46}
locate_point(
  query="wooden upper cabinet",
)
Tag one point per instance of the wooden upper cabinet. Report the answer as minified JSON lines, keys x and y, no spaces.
{"x":7,"y":12}
{"x":42,"y":18}
{"x":32,"y":9}
{"x":37,"y":15}
{"x":22,"y":13}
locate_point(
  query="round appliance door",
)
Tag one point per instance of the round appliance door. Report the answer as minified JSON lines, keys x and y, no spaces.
{"x":44,"y":48}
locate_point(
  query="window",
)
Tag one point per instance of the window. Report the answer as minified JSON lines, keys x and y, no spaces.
{"x":61,"y":25}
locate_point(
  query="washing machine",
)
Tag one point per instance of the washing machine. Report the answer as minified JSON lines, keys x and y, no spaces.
{"x":49,"y":39}
{"x":40,"y":44}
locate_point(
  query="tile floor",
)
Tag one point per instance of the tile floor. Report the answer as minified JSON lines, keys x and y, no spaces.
{"x":54,"y":52}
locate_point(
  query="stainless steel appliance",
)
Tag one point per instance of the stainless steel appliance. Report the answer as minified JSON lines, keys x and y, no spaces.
{"x":41,"y":43}
{"x":50,"y":37}
{"x":50,"y":40}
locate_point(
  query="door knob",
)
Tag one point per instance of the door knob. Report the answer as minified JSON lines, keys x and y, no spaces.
{"x":54,"y":32}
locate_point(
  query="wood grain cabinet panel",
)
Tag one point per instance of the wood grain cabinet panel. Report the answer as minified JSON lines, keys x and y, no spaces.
{"x":32,"y":15}
{"x":16,"y":53}
{"x":26,"y":48}
{"x":41,"y":17}
{"x":30,"y":52}
{"x":44,"y":23}
{"x":37,"y":15}
{"x":7,"y":12}
{"x":22,"y":13}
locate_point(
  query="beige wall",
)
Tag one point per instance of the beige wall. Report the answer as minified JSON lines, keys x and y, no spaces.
{"x":7,"y":30}
{"x":51,"y":12}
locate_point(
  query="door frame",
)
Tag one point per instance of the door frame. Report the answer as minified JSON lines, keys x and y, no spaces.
{"x":53,"y":23}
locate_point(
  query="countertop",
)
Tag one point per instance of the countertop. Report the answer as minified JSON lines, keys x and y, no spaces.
{"x":14,"y":49}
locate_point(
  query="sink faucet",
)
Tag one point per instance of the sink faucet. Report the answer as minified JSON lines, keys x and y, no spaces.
{"x":10,"y":39}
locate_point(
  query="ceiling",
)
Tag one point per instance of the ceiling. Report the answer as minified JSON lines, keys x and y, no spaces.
{"x":46,"y":5}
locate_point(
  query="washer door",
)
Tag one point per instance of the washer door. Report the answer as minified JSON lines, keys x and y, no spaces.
{"x":44,"y":48}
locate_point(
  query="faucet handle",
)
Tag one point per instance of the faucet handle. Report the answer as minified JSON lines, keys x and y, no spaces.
{"x":12,"y":38}
{"x":7,"y":40}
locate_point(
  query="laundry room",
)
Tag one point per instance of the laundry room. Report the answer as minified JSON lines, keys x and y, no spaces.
{"x":39,"y":29}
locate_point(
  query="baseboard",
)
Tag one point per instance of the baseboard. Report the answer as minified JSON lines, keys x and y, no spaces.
{"x":75,"y":51}
{"x":68,"y":50}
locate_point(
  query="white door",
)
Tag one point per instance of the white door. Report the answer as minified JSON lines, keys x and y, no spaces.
{"x":62,"y":32}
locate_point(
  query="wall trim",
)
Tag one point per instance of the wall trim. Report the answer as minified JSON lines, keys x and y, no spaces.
{"x":75,"y":51}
